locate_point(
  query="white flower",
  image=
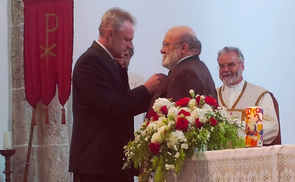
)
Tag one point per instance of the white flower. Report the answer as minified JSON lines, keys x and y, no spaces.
{"x":163,"y":128}
{"x":175,"y":138}
{"x":175,"y":148}
{"x":192,"y":103}
{"x":203,"y":119}
{"x":207,"y":108}
{"x":172,"y":141}
{"x":157,"y":138}
{"x":169,"y":167}
{"x":173,"y":111}
{"x":177,"y":155}
{"x":180,"y":135}
{"x":240,"y":123}
{"x":170,"y":123}
{"x":143,"y":133}
{"x":160,"y":123}
{"x":223,"y":111}
{"x":199,"y":113}
{"x":191,"y":120}
{"x":184,"y":146}
{"x":137,"y":139}
{"x":155,"y":125}
{"x":151,"y":126}
{"x":160,"y":102}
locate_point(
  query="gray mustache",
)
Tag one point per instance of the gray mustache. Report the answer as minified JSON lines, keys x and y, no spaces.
{"x":226,"y":74}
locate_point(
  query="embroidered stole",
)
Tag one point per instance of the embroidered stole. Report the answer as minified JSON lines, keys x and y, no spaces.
{"x":240,"y":113}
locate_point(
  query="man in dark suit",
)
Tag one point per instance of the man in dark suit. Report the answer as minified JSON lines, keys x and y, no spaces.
{"x":181,"y":50}
{"x":103,"y":104}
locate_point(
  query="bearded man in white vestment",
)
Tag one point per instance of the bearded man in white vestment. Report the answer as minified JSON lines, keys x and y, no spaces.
{"x":236,"y":93}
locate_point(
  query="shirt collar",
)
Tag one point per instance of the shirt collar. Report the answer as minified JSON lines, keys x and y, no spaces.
{"x":105,"y":49}
{"x":236,"y":87}
{"x":183,"y":59}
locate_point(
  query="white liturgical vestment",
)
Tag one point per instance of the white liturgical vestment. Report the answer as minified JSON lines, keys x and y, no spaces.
{"x":237,"y":97}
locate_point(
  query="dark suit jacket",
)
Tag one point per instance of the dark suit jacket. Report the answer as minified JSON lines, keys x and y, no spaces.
{"x":191,"y":73}
{"x":103,"y":111}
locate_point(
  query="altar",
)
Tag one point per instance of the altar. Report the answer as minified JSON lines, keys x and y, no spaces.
{"x":272,"y":164}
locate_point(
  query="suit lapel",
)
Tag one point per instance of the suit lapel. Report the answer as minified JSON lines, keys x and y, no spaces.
{"x":120,"y":76}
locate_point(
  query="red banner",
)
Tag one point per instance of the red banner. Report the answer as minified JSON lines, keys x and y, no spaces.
{"x":48,"y":50}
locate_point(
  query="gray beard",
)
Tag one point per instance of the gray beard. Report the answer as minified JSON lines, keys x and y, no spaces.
{"x":170,"y":61}
{"x":234,"y":78}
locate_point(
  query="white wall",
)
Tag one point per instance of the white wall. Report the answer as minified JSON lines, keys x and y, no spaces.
{"x":4,"y":78}
{"x":263,"y":30}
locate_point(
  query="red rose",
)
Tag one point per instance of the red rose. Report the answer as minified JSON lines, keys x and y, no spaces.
{"x":213,"y":121}
{"x":182,"y":102}
{"x":181,"y":124}
{"x":185,"y":113}
{"x":154,"y":148}
{"x":164,"y":110}
{"x":198,"y":123}
{"x":211,"y":101}
{"x":152,"y":115}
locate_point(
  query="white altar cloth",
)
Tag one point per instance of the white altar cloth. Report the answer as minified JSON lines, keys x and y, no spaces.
{"x":267,"y":164}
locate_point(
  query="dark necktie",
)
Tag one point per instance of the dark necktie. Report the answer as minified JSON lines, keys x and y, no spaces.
{"x":124,"y":76}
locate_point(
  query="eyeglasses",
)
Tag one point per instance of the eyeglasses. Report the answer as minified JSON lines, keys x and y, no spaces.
{"x":165,"y":44}
{"x":228,"y":65}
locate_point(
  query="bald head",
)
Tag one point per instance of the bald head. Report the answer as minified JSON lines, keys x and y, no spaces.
{"x":179,"y":42}
{"x":185,"y":34}
{"x":178,"y":31}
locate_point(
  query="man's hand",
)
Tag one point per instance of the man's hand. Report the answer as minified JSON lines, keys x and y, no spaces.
{"x":154,"y":81}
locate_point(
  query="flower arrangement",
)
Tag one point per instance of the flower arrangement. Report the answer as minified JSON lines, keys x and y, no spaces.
{"x":172,"y":131}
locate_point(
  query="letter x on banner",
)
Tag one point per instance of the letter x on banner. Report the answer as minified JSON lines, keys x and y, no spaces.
{"x":48,"y":50}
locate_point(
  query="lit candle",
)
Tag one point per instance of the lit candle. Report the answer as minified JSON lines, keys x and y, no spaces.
{"x":7,"y":140}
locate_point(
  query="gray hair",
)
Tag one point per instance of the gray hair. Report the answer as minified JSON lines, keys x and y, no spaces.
{"x":193,"y":42}
{"x":231,"y":49}
{"x":114,"y":19}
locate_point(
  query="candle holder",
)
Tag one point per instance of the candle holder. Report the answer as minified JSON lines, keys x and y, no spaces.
{"x":7,"y":154}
